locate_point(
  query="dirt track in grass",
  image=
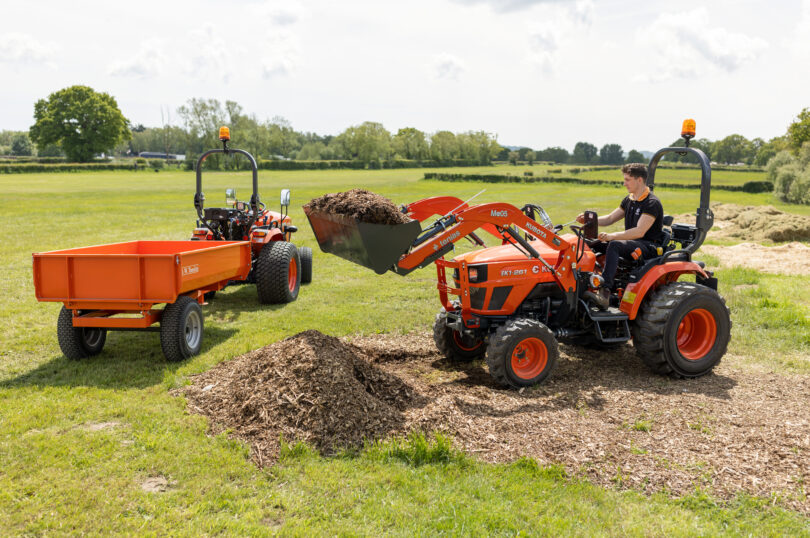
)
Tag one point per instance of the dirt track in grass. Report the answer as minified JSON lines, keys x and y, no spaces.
{"x":601,"y":414}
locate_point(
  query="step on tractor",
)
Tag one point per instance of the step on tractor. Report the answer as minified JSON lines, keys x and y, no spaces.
{"x":278,"y":268}
{"x":512,"y":303}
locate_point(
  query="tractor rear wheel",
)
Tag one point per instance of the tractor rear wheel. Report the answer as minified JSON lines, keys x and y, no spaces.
{"x":454,"y":345}
{"x":278,"y":273}
{"x":682,"y":330}
{"x":306,"y":265}
{"x":181,"y":329}
{"x":78,"y":342}
{"x":522,"y":353}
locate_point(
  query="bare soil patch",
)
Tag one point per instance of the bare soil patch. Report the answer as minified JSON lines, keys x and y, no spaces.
{"x":601,"y":414}
{"x":360,"y":204}
{"x":754,"y":223}
{"x":789,"y":259}
{"x":156,"y":484}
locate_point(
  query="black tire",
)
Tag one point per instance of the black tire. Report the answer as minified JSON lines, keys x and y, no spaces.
{"x":306,"y":264}
{"x":278,"y":273}
{"x":181,"y":329}
{"x":682,"y":330}
{"x":78,"y":342}
{"x":455,"y":346}
{"x":522,"y":353}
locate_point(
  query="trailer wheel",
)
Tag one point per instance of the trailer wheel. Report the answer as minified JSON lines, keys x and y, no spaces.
{"x":78,"y":342}
{"x":521,"y":353}
{"x":682,"y":330}
{"x":306,"y":265}
{"x":278,"y":273}
{"x":452,"y":344}
{"x":181,"y":329}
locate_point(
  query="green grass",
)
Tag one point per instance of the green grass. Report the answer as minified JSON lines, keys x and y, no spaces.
{"x":61,"y":474}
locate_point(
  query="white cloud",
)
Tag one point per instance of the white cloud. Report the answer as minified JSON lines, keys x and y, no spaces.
{"x":447,"y":66}
{"x":556,"y":29}
{"x":801,"y":38}
{"x":148,"y":62}
{"x":504,"y":6}
{"x":211,"y":57}
{"x":23,"y":49}
{"x":281,"y":54}
{"x":687,"y":44}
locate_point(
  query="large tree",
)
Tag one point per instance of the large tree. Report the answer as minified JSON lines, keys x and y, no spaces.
{"x":410,"y":143}
{"x":584,"y":153}
{"x":84,"y":122}
{"x":611,"y":154}
{"x":799,"y":131}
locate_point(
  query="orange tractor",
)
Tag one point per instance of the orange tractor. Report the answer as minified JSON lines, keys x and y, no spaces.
{"x":511,"y":303}
{"x":279,"y":268}
{"x":116,"y":287}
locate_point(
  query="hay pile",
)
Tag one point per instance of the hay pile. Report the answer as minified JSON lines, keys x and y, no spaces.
{"x":755,"y":223}
{"x":360,"y":204}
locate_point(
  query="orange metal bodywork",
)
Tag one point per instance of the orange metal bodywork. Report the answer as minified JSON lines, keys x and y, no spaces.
{"x":506,"y":267}
{"x":659,"y":275}
{"x":135,"y":276}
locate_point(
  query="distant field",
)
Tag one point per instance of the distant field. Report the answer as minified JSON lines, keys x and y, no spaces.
{"x":59,"y":475}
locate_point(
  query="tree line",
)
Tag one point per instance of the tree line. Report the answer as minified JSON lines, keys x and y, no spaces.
{"x":80,"y":123}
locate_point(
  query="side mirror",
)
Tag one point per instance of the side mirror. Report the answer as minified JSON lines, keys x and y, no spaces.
{"x":285,"y":197}
{"x":230,"y":197}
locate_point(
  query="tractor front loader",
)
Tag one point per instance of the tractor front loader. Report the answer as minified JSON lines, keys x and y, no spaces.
{"x":511,"y":303}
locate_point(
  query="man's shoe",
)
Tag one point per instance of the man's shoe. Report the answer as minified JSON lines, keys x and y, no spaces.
{"x":601,"y":298}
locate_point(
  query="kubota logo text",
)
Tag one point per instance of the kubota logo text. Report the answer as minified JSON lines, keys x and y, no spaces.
{"x":190,"y":269}
{"x":496,"y":213}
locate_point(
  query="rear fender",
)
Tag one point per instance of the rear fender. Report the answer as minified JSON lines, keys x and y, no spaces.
{"x":656,"y":277}
{"x":259,"y":238}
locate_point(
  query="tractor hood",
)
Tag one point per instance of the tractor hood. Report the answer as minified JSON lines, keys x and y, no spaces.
{"x":508,"y":253}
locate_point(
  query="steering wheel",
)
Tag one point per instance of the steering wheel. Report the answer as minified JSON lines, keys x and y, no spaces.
{"x":580,"y":233}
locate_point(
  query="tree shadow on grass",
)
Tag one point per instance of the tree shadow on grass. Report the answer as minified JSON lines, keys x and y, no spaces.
{"x":129,"y":360}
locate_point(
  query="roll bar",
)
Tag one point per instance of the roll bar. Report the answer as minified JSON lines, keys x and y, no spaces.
{"x":199,"y":197}
{"x":705,"y":217}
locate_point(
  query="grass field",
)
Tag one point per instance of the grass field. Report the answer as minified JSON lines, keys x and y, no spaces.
{"x":77,"y":439}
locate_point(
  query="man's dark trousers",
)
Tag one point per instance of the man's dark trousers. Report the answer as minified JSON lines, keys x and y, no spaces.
{"x":613,"y":250}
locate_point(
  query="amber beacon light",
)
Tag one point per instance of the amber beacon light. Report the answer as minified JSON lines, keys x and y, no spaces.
{"x":688,"y":129}
{"x":225,"y":133}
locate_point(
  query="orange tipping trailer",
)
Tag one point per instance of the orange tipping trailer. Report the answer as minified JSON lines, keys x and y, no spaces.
{"x":117,"y":286}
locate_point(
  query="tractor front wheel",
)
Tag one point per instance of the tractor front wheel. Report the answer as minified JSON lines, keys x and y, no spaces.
{"x":181,"y":329}
{"x":454,"y":345}
{"x":78,"y":342}
{"x":522,"y":353}
{"x":682,"y":330}
{"x":278,"y":273}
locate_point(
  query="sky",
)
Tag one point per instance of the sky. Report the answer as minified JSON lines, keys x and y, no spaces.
{"x":534,"y":73}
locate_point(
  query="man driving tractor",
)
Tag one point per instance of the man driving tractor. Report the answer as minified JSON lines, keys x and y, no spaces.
{"x":643,"y":226}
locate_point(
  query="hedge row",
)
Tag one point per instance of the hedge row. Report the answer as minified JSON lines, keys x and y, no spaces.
{"x":35,"y":168}
{"x":41,"y":160}
{"x":749,"y":186}
{"x":357,"y":165}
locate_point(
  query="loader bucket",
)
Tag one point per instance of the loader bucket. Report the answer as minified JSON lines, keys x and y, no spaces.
{"x":376,"y":246}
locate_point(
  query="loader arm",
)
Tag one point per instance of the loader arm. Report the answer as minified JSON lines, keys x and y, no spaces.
{"x":442,"y":206}
{"x":435,"y":242}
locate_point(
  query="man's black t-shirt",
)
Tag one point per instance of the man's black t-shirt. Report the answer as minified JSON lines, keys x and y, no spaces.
{"x":648,"y":204}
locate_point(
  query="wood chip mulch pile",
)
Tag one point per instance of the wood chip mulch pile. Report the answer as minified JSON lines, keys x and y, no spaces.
{"x":601,"y":414}
{"x":360,"y":204}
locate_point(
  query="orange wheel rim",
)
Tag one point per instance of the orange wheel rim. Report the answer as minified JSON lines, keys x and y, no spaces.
{"x":292,"y":274}
{"x":529,"y":358}
{"x":459,"y":341}
{"x":697,"y":333}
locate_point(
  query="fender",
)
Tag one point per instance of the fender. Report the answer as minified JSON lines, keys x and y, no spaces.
{"x":654,"y":278}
